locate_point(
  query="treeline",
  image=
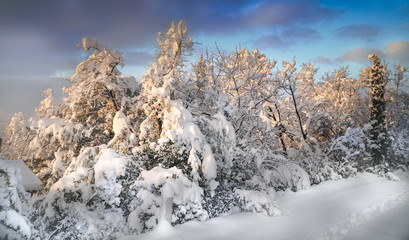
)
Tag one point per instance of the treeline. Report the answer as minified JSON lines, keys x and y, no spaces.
{"x":193,"y":140}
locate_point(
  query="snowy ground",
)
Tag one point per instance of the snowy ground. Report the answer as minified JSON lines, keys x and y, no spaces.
{"x":364,"y":207}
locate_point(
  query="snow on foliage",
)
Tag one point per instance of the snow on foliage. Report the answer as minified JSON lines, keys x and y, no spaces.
{"x":14,"y":203}
{"x":294,"y":175}
{"x":258,"y":202}
{"x":30,"y":181}
{"x":179,"y":127}
{"x":159,"y":191}
{"x":119,"y":156}
{"x":107,"y":169}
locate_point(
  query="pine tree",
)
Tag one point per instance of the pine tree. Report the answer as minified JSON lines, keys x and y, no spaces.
{"x":378,"y":135}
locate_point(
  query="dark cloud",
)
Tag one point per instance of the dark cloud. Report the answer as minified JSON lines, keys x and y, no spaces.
{"x":122,"y":23}
{"x":274,"y":41}
{"x":33,"y":54}
{"x":288,"y":37}
{"x":284,"y":13}
{"x":362,"y":31}
{"x":40,"y":37}
{"x":125,"y":23}
{"x":306,"y":34}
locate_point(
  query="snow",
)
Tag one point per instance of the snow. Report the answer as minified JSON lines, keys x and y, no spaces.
{"x":223,"y":130}
{"x":294,"y":174}
{"x":130,"y":83}
{"x":120,"y":123}
{"x":174,"y":184}
{"x":259,"y":202}
{"x":160,"y":188}
{"x":13,"y":220}
{"x":164,"y":229}
{"x":109,"y":166}
{"x":68,"y":183}
{"x":180,"y":127}
{"x":209,"y":164}
{"x":122,"y":128}
{"x":14,"y":201}
{"x":58,"y":164}
{"x":88,"y":43}
{"x":30,"y":180}
{"x":364,"y":207}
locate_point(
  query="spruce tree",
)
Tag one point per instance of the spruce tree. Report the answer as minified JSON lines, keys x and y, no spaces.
{"x":378,"y":136}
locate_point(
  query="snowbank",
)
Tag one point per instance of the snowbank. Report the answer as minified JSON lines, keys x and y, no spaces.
{"x":353,"y":208}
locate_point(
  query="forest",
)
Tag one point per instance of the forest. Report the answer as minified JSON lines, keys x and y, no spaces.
{"x":194,"y":139}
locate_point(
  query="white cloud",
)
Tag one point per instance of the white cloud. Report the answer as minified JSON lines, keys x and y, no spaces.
{"x":359,"y":55}
{"x":398,"y":50}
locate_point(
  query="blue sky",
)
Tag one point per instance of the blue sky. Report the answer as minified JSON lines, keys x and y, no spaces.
{"x":38,"y":38}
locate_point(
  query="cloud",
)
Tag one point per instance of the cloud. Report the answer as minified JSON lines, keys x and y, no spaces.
{"x":398,"y":50}
{"x":305,"y":34}
{"x":323,"y":60}
{"x":126,"y":23}
{"x":359,"y":55}
{"x":138,"y":58}
{"x":284,"y":13}
{"x":361,"y":31}
{"x":288,"y":37}
{"x":273,"y":41}
{"x":33,"y":54}
{"x":122,"y":23}
{"x":394,"y":51}
{"x":23,"y":93}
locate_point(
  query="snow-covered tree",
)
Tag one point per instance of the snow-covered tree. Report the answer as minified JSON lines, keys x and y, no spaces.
{"x":16,"y":137}
{"x":98,"y":93}
{"x":342,"y":99}
{"x":246,"y":78}
{"x":397,"y":116}
{"x":165,"y":78}
{"x":48,"y":107}
{"x":400,"y":78}
{"x":291,"y":85}
{"x":378,"y":132}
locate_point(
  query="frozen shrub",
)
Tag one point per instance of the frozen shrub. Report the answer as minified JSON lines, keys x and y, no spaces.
{"x":258,"y":201}
{"x":165,"y":194}
{"x":14,"y":203}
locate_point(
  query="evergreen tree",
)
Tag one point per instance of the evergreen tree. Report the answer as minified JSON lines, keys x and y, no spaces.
{"x":378,"y":136}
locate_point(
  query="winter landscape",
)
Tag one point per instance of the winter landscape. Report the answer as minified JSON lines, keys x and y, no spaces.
{"x":211,"y":143}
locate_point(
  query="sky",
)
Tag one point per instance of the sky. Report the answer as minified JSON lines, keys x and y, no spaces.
{"x":38,"y":38}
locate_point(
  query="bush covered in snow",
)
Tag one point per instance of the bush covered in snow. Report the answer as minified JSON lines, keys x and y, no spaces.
{"x":14,"y":204}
